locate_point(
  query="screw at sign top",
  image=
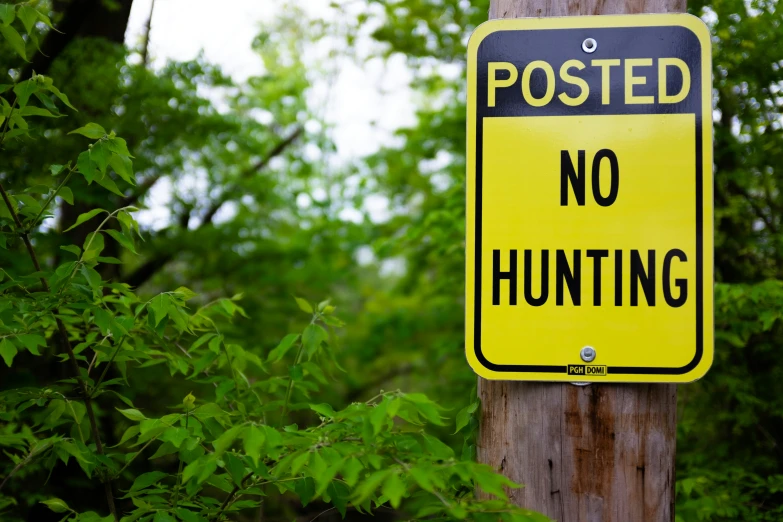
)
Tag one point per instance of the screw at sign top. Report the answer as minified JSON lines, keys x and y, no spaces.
{"x":589,"y":45}
{"x":587,"y":353}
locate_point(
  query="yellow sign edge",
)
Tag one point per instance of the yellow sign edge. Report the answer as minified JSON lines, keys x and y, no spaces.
{"x":699,"y":28}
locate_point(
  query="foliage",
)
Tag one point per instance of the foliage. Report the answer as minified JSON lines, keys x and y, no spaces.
{"x":230,"y":444}
{"x":254,"y":217}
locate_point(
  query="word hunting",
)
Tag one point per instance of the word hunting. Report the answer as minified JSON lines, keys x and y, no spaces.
{"x":569,"y":275}
{"x":643,"y":271}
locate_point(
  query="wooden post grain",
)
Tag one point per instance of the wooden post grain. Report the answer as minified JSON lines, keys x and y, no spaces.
{"x":597,"y":453}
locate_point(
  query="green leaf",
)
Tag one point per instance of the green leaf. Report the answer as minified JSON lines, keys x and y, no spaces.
{"x":119,"y":146}
{"x":32,"y":342}
{"x":378,"y":417}
{"x":45,"y":19}
{"x":14,"y":39}
{"x":167,"y":448}
{"x":85,"y":217}
{"x":282,"y":348}
{"x":160,"y":307}
{"x":29,"y":201}
{"x":93,"y":278}
{"x":62,"y":97}
{"x":325,"y":410}
{"x":66,"y":194}
{"x":351,"y":470}
{"x":87,"y":167}
{"x":7,"y":351}
{"x":38,"y":189}
{"x":175,"y":435}
{"x":56,"y":169}
{"x":394,"y":489}
{"x":108,"y":183}
{"x":73,"y":249}
{"x":36,"y":111}
{"x":185,"y":293}
{"x":122,"y":239}
{"x":23,"y":91}
{"x":56,"y":505}
{"x":146,"y":480}
{"x":214,"y":343}
{"x":129,"y":434}
{"x":312,"y":337}
{"x":200,"y":468}
{"x":128,"y":223}
{"x":93,"y":246}
{"x":201,"y":340}
{"x":162,"y":516}
{"x":28,"y":16}
{"x":226,"y":440}
{"x":422,"y":478}
{"x":304,"y":305}
{"x":254,"y":440}
{"x":235,"y":468}
{"x":463,"y":417}
{"x":364,"y":490}
{"x":91,"y":130}
{"x":47,"y":101}
{"x":189,"y":516}
{"x":133,"y":414}
{"x":4,"y":208}
{"x":7,"y":14}
{"x":123,"y":166}
{"x":100,"y":155}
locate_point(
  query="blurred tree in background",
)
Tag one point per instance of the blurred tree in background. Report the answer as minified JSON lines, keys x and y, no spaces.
{"x":239,"y":159}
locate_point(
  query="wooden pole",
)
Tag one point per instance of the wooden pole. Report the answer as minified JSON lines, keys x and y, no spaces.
{"x":597,"y":453}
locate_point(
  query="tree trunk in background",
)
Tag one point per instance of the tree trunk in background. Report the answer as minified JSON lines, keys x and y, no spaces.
{"x":597,"y":453}
{"x":80,"y":18}
{"x":85,"y":19}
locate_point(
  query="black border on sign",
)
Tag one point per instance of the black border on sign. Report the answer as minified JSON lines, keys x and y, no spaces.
{"x":614,"y":370}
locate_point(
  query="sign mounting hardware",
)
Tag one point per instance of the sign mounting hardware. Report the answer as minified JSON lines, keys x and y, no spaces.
{"x":589,"y":199}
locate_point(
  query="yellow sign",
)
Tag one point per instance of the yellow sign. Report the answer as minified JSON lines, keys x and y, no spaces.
{"x":589,"y":199}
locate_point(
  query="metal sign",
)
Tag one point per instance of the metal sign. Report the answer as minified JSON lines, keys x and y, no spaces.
{"x":589,"y":199}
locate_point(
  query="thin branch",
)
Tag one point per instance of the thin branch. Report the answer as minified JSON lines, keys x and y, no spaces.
{"x":153,"y":439}
{"x":145,"y":49}
{"x":179,"y":472}
{"x":291,"y":381}
{"x":29,"y":458}
{"x":230,"y":496}
{"x":757,"y":209}
{"x":65,"y":345}
{"x":260,"y":165}
{"x":51,"y":198}
{"x":322,"y":513}
{"x":108,"y":364}
{"x":145,"y":272}
{"x":141,"y":189}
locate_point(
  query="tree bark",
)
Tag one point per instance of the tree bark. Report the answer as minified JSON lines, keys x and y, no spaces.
{"x":547,"y":8}
{"x":598,"y":453}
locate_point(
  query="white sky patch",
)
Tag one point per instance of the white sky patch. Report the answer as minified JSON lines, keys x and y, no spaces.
{"x":364,"y":103}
